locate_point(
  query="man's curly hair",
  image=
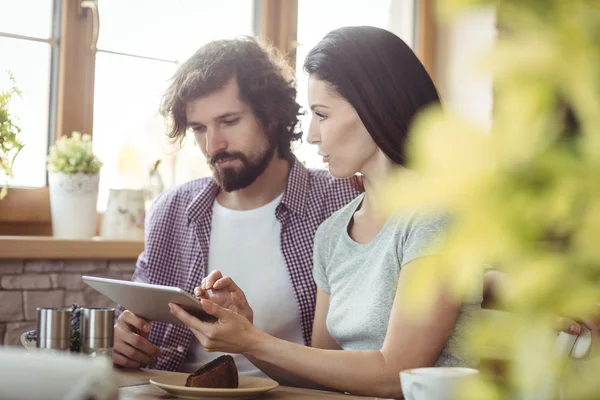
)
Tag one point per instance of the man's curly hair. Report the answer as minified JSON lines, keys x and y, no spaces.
{"x":265,"y":83}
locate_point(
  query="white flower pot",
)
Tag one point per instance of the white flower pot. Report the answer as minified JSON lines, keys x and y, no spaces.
{"x":73,"y":199}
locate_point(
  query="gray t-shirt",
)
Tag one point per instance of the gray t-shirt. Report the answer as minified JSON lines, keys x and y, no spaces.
{"x":362,"y":279}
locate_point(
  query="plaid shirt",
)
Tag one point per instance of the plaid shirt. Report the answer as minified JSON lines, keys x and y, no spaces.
{"x":177,"y":242}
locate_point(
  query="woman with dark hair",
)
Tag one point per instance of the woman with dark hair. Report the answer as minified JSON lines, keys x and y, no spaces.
{"x":365,"y":87}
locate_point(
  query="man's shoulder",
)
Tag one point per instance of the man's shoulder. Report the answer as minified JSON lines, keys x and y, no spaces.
{"x":338,"y":220}
{"x":323,"y":184}
{"x":177,"y":199}
{"x":322,"y":176}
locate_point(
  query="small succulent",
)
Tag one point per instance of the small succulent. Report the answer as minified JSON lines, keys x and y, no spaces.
{"x":75,"y":329}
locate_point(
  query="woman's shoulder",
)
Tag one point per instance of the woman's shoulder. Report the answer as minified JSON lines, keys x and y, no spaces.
{"x":422,"y":217}
{"x":338,"y":221}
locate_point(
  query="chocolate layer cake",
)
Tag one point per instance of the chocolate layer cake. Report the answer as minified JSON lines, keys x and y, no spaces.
{"x":219,"y":373}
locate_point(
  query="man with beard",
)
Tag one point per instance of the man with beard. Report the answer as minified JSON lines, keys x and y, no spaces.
{"x":255,"y":219}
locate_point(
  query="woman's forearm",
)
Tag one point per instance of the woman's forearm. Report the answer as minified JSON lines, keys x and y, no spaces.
{"x":355,"y":371}
{"x":283,"y":376}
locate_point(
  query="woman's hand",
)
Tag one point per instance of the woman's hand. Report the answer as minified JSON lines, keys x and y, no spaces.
{"x":573,"y":327}
{"x":225,"y":293}
{"x":232,"y":333}
{"x":496,"y":282}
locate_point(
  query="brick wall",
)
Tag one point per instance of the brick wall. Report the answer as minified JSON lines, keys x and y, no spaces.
{"x":28,"y":284}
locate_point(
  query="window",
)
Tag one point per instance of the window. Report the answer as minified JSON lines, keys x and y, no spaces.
{"x":139,"y":46}
{"x":114,"y":92}
{"x":317,"y":18}
{"x":136,"y":57}
{"x":28,"y":45}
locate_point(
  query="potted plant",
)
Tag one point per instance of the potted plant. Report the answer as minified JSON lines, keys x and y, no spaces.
{"x":74,"y":178}
{"x":10,"y":145}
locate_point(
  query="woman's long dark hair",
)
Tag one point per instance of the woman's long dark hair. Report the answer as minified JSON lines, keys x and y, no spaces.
{"x":376,"y":72}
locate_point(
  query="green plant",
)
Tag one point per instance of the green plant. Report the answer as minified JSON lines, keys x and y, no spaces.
{"x":525,"y":196}
{"x":74,"y":154}
{"x":10,"y":145}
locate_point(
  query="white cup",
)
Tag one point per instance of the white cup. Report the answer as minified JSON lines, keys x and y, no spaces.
{"x":434,"y":383}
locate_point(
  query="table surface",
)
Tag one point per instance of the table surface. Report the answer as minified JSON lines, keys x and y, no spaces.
{"x":134,"y":385}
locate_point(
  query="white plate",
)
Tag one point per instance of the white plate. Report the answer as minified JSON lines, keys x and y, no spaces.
{"x":249,"y":388}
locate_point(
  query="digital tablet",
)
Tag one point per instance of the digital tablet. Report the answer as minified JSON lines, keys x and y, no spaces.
{"x":150,"y":302}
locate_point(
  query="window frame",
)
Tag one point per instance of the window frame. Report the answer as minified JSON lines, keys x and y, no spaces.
{"x":26,"y":211}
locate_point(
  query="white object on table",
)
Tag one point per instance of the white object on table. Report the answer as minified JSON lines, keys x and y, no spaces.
{"x":249,"y":388}
{"x":568,"y":346}
{"x":574,"y":346}
{"x":50,"y":375}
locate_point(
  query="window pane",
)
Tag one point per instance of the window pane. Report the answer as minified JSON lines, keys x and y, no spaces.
{"x":29,"y":62}
{"x":315,"y":19}
{"x":171,"y":29}
{"x":26,"y":17}
{"x":129,"y":134}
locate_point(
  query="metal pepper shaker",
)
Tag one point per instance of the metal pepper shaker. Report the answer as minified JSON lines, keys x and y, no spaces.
{"x":54,"y":328}
{"x":97,"y":326}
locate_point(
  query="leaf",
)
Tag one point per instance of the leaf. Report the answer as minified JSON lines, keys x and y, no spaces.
{"x":10,"y":145}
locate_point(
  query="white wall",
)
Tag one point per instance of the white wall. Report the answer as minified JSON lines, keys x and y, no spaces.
{"x":464,"y":87}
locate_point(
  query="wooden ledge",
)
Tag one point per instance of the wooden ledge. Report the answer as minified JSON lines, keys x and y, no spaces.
{"x":49,"y":248}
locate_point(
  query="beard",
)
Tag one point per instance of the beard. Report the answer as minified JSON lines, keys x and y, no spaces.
{"x":232,"y":178}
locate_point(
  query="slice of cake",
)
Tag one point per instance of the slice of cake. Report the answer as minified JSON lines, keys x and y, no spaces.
{"x":219,"y":373}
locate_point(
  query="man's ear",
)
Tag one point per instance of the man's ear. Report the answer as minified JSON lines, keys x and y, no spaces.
{"x":270,"y":129}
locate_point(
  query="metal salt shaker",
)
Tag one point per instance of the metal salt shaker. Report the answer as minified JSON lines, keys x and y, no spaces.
{"x":54,"y":328}
{"x":97,"y":331}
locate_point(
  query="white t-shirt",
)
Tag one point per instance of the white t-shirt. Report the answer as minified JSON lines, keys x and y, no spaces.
{"x":246,"y":246}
